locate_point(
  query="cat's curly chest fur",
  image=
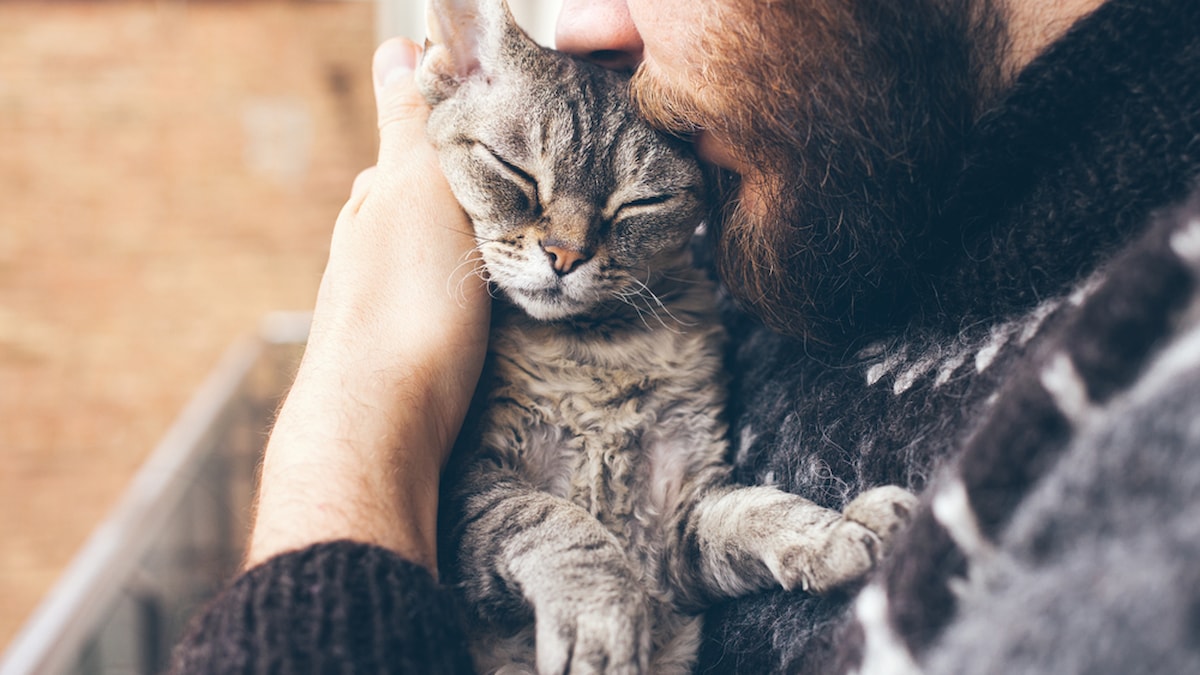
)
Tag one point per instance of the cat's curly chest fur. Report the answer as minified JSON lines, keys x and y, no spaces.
{"x":614,"y":425}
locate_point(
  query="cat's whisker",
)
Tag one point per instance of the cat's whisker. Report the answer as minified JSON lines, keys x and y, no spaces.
{"x":460,"y":289}
{"x":638,"y":294}
{"x":680,"y":280}
{"x":489,"y":285}
{"x":625,"y":299}
{"x":478,"y":238}
{"x":651,"y":300}
{"x":659,"y":302}
{"x":645,"y":285}
{"x":474,"y":258}
{"x":670,"y":292}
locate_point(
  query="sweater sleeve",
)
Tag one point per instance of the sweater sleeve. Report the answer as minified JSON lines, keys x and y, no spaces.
{"x":332,"y":607}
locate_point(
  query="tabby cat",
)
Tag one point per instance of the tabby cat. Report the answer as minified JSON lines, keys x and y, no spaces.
{"x":590,"y":519}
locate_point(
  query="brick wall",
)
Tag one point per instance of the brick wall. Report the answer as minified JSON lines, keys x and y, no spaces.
{"x":168,"y":172}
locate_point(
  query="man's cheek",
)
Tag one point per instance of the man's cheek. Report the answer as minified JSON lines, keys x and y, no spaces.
{"x":714,"y":149}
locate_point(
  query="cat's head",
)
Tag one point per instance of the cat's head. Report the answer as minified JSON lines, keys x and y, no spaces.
{"x":575,"y":201}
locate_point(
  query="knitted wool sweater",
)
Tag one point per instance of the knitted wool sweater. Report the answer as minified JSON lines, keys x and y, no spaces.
{"x":1067,"y":288}
{"x":1042,"y":396}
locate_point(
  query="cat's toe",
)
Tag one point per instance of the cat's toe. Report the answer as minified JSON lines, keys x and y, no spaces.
{"x":852,"y":545}
{"x":610,"y":639}
{"x":848,"y":553}
{"x":885,"y":510}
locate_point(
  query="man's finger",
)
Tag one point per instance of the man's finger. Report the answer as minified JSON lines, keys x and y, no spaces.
{"x":359,"y":191}
{"x":396,"y":97}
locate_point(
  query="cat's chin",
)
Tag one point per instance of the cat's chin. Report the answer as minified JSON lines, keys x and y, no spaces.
{"x":557,"y":308}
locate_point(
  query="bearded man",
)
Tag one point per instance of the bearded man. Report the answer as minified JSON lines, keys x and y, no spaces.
{"x":964,"y":260}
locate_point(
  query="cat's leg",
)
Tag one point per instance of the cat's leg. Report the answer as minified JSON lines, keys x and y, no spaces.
{"x":520,"y":549}
{"x":737,"y":540}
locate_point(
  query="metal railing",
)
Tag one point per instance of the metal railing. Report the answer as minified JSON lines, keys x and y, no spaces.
{"x":177,"y":535}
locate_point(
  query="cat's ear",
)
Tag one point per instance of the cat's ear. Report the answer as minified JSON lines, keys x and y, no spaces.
{"x":465,"y":37}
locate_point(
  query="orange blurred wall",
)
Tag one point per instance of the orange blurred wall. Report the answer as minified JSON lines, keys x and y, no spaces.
{"x":169,"y":171}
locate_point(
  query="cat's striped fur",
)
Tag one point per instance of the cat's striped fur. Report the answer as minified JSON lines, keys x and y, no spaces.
{"x":591,"y":517}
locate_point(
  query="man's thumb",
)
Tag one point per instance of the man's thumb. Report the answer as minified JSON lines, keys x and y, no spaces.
{"x":396,"y":97}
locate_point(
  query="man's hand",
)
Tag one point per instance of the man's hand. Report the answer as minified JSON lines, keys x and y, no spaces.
{"x":397,"y":344}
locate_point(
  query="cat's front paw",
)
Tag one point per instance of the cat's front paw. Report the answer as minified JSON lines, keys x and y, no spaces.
{"x":607,"y":635}
{"x":843,"y":553}
{"x":850,"y":546}
{"x":885,"y":511}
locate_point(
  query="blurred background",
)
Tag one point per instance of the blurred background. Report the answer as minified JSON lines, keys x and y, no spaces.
{"x":169,"y":173}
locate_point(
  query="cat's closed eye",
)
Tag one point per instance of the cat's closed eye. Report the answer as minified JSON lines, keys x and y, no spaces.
{"x":525,"y":182}
{"x":648,"y":201}
{"x":654,"y":200}
{"x":642,"y":206}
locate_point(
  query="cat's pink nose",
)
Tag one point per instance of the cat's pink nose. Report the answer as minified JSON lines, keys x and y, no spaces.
{"x":564,"y":259}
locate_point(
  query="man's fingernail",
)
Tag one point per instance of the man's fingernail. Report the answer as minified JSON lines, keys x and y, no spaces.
{"x":395,"y":59}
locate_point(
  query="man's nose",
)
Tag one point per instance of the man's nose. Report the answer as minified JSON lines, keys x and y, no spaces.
{"x":600,"y":31}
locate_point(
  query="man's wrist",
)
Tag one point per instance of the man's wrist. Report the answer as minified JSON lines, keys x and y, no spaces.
{"x":351,"y":457}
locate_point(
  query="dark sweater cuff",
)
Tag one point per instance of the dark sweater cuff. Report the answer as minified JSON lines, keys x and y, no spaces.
{"x":333,"y":607}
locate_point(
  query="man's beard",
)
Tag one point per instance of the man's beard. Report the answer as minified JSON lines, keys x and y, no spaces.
{"x":853,"y":116}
